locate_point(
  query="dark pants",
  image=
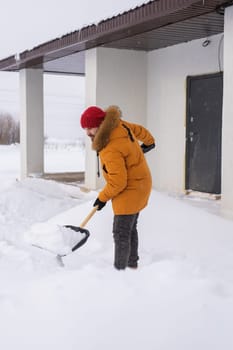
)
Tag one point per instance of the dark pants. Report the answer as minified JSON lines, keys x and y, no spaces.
{"x":126,"y":241}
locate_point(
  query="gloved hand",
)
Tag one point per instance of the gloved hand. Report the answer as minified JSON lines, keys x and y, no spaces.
{"x":99,"y":204}
{"x":147,"y":148}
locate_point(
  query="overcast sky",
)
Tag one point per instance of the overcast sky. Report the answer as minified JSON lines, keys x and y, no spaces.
{"x":25,"y":24}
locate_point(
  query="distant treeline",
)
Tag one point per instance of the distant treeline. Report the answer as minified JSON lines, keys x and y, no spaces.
{"x":9,"y":129}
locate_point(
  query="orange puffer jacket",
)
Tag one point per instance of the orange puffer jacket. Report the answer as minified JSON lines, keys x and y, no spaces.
{"x":128,"y":178}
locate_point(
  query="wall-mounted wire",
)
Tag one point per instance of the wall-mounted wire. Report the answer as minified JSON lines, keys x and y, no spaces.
{"x":220,"y":45}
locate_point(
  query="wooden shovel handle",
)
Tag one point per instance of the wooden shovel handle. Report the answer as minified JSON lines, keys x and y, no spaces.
{"x":88,"y":217}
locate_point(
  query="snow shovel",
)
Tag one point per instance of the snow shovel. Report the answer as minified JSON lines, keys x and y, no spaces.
{"x":85,"y":233}
{"x":81,"y":229}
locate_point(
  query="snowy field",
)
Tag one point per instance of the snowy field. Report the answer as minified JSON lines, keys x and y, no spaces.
{"x":64,"y":156}
{"x":58,"y":157}
{"x":180,"y":298}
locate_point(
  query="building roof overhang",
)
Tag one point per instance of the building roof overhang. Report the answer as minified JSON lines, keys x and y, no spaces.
{"x":157,"y":24}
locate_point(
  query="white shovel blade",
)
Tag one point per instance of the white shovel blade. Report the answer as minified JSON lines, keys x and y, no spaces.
{"x":57,"y":239}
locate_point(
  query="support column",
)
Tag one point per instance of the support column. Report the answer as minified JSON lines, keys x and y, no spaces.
{"x":114,"y":77}
{"x":31,"y":122}
{"x":92,"y":181}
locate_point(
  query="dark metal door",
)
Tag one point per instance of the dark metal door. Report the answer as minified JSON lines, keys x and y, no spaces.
{"x":204,"y":133}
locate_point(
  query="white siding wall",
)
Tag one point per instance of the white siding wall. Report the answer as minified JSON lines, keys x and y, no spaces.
{"x":166,"y":107}
{"x":227,"y":141}
{"x":121,"y":81}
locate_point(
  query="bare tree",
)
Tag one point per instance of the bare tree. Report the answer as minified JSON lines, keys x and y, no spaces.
{"x":9,"y":129}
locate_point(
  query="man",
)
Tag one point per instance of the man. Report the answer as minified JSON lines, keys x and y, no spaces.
{"x":128,"y":178}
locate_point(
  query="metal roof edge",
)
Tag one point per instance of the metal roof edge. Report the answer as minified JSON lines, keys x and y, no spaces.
{"x":8,"y":61}
{"x":150,"y":10}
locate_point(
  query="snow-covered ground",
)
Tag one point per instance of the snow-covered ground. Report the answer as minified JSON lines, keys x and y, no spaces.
{"x":180,"y":298}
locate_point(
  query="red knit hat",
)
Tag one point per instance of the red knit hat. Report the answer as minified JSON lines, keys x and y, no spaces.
{"x":92,"y":117}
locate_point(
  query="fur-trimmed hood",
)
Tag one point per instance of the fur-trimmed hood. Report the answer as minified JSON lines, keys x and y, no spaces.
{"x":111,"y":121}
